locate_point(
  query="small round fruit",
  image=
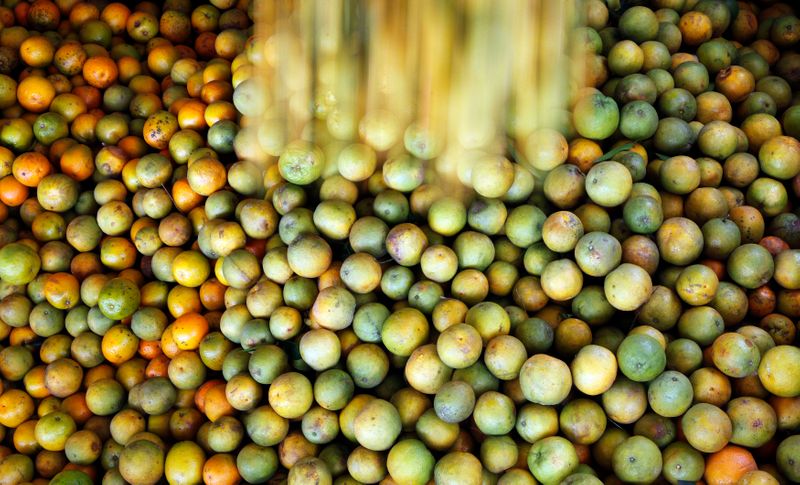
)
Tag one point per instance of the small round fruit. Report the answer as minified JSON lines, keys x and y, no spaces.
{"x":779,"y":369}
{"x":594,"y":370}
{"x":545,"y":379}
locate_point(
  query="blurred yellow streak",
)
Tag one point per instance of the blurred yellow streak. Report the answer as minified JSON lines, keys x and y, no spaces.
{"x":444,"y":80}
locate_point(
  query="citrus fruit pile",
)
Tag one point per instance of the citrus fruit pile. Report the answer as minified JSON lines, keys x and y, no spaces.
{"x":612,"y":301}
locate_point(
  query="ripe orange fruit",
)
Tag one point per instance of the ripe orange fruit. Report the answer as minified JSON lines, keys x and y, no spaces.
{"x":77,"y":161}
{"x":221,"y":469}
{"x":188,"y":331}
{"x":115,"y":15}
{"x":216,"y":403}
{"x":12,"y":192}
{"x":695,"y":27}
{"x":37,"y":51}
{"x":43,"y":15}
{"x":30,"y":168}
{"x":728,"y":465}
{"x":735,"y":82}
{"x":62,"y":290}
{"x":100,"y":71}
{"x":159,"y":128}
{"x":119,"y":344}
{"x":35,"y":93}
{"x":192,"y":115}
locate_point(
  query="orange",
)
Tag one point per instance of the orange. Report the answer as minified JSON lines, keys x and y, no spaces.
{"x":142,"y":26}
{"x":143,"y":84}
{"x":184,"y":198}
{"x":43,"y":15}
{"x":194,"y":84}
{"x":61,"y":83}
{"x":175,"y":26}
{"x":30,"y":168}
{"x":119,"y":344}
{"x":767,"y":50}
{"x":77,"y":161}
{"x":16,"y":406}
{"x":186,"y":51}
{"x":115,"y":15}
{"x":133,"y":146}
{"x":158,"y":367}
{"x":75,"y":405}
{"x":774,"y":244}
{"x":6,"y":160}
{"x":759,"y":128}
{"x":735,"y":82}
{"x":6,"y":16}
{"x":191,"y":115}
{"x":24,"y":439}
{"x":99,"y":372}
{"x":200,"y":393}
{"x":69,"y":58}
{"x":22,"y":336}
{"x":159,"y":128}
{"x":745,"y":26}
{"x":728,"y":465}
{"x":82,"y":13}
{"x":184,"y":422}
{"x":217,"y":71}
{"x":82,"y":128}
{"x":49,"y":463}
{"x":182,"y":300}
{"x":175,"y":229}
{"x":779,"y":370}
{"x":188,"y":331}
{"x":35,"y":93}
{"x":63,"y":377}
{"x":212,"y":294}
{"x":184,"y":463}
{"x":206,"y":176}
{"x":60,"y":146}
{"x":161,"y":59}
{"x":706,"y":427}
{"x":176,"y":105}
{"x":150,"y":349}
{"x":34,"y":383}
{"x":758,"y":477}
{"x":695,"y":27}
{"x":100,"y":72}
{"x":12,"y":192}
{"x":21,"y":12}
{"x":191,"y":268}
{"x":216,"y":91}
{"x":37,"y":51}
{"x":780,"y":327}
{"x":53,"y":429}
{"x":129,"y":67}
{"x":216,"y":403}
{"x":62,"y":290}
{"x":221,"y":469}
{"x":85,"y":264}
{"x":91,"y":96}
{"x":204,"y":45}
{"x":583,"y":152}
{"x":787,"y":410}
{"x":168,"y":345}
{"x":217,"y":111}
{"x":110,"y":160}
{"x":229,"y":43}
